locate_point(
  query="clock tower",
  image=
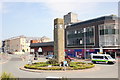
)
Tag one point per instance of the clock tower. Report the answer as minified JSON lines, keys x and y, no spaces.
{"x":59,"y":45}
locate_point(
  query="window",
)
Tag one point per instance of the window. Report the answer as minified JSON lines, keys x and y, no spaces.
{"x":98,"y":57}
{"x":109,"y":57}
{"x":106,"y":31}
{"x":106,"y":57}
{"x":101,"y":32}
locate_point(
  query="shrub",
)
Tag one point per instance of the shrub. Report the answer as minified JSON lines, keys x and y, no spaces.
{"x":69,"y":68}
{"x":40,"y":63}
{"x":7,"y":76}
{"x":55,"y":65}
{"x":90,"y":66}
{"x":52,"y":61}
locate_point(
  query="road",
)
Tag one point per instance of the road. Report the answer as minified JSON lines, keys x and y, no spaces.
{"x":100,"y":71}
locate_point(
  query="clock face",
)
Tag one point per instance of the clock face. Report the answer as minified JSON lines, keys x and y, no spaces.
{"x":61,"y":26}
{"x":55,"y":26}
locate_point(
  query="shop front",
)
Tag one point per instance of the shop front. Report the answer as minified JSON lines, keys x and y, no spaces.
{"x":79,"y":53}
{"x":70,"y":52}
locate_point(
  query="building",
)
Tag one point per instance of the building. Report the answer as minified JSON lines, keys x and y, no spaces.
{"x":46,"y":48}
{"x":100,"y":34}
{"x":16,"y":45}
{"x":70,"y":18}
{"x":20,"y":44}
{"x":0,"y":43}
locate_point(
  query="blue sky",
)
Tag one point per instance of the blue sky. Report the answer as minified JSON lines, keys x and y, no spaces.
{"x":35,"y":19}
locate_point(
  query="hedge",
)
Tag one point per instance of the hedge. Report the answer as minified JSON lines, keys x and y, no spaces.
{"x":72,"y":66}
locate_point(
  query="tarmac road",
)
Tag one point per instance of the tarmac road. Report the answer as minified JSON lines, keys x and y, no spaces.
{"x":100,"y":71}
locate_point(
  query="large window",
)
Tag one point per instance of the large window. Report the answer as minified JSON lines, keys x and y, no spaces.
{"x":98,"y":57}
{"x":108,"y":34}
{"x":108,"y":31}
{"x":76,"y":37}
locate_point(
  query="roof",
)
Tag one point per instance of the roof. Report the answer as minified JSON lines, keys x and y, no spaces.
{"x":94,"y":20}
{"x":42,"y":44}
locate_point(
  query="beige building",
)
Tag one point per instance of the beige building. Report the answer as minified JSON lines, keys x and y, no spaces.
{"x":20,"y":44}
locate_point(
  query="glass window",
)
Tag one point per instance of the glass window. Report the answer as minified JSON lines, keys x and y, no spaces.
{"x":106,"y":31}
{"x":101,"y":32}
{"x":98,"y":57}
{"x":109,"y":57}
{"x":110,"y":31}
{"x":106,"y":57}
{"x":113,"y":31}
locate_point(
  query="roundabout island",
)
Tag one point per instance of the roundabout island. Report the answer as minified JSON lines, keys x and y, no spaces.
{"x":53,"y":65}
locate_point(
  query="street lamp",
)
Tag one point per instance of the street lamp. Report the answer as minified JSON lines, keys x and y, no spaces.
{"x":84,"y":30}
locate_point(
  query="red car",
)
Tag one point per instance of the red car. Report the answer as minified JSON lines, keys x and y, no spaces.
{"x":68,"y":57}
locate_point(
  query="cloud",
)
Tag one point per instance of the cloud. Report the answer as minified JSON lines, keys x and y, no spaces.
{"x":60,"y":8}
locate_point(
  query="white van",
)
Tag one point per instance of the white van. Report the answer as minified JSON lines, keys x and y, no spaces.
{"x":102,"y":58}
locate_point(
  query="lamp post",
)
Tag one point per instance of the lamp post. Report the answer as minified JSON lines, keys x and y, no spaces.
{"x":84,"y":43}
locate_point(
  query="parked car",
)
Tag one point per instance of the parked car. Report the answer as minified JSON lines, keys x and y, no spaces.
{"x":68,"y":57}
{"x":49,"y":56}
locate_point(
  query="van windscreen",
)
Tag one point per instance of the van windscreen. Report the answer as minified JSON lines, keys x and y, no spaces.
{"x":109,"y":57}
{"x":98,"y":57}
